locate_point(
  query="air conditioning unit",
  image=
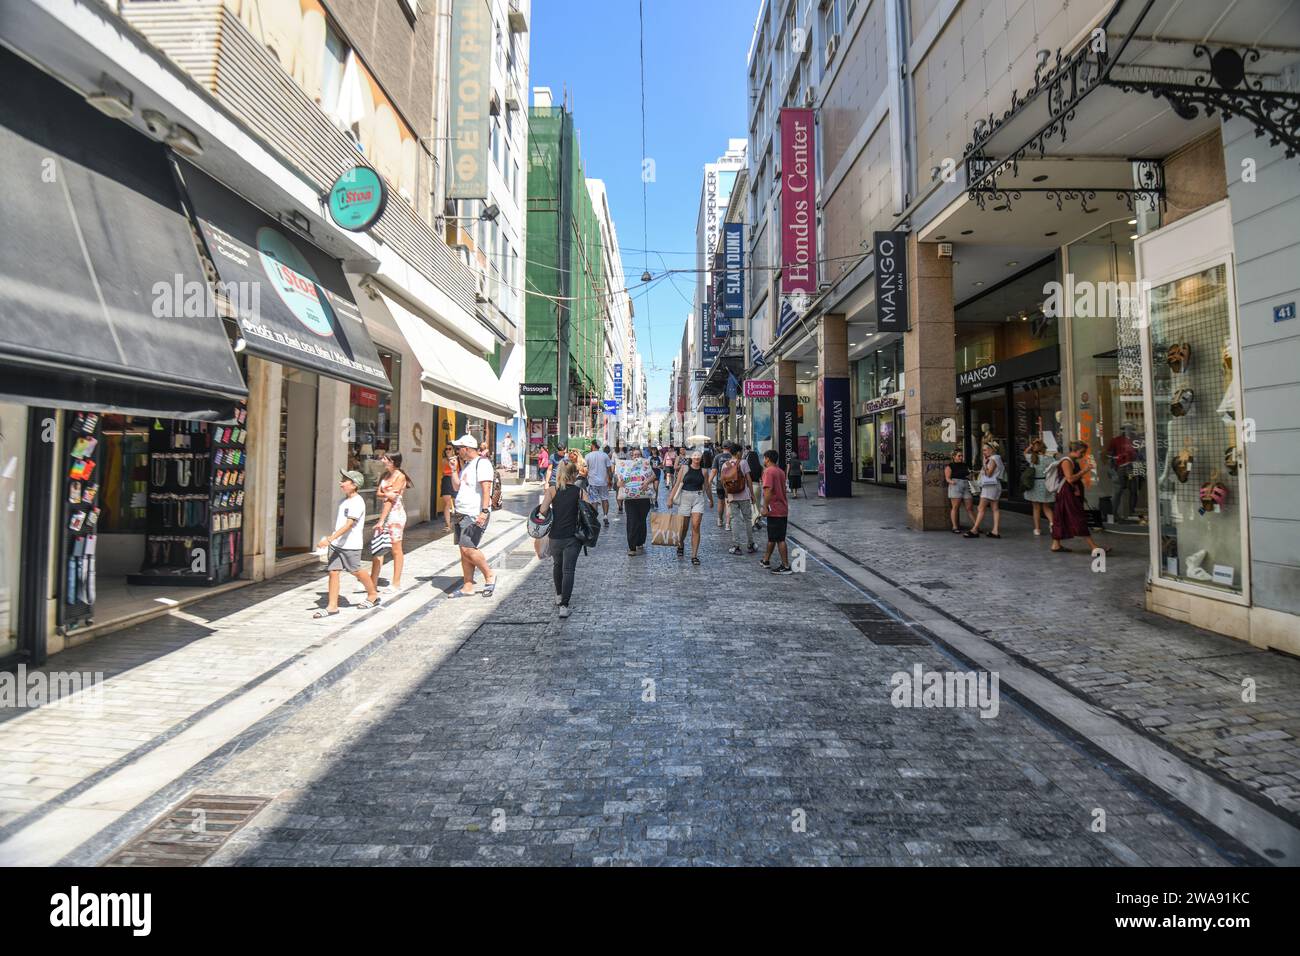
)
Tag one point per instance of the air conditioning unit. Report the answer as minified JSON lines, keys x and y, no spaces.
{"x":832,"y":44}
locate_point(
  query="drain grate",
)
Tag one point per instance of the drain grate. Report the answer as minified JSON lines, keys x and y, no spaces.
{"x":936,"y":585}
{"x":191,"y":832}
{"x":890,"y":634}
{"x":864,"y":612}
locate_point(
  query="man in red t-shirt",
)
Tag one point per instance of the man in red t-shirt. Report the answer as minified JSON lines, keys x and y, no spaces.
{"x":776,"y":509}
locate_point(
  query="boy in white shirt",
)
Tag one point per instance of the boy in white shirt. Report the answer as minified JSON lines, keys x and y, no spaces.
{"x":346,"y":555}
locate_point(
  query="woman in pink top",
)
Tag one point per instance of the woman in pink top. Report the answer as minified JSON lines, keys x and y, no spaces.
{"x":392,"y":515}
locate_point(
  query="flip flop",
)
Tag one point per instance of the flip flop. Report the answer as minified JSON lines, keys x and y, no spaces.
{"x":456,"y":595}
{"x":320,"y":614}
{"x":367,"y":605}
{"x":488,"y":589}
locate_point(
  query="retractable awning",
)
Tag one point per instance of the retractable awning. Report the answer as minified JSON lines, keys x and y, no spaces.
{"x":292,"y":302}
{"x":450,"y":375}
{"x":103,"y":301}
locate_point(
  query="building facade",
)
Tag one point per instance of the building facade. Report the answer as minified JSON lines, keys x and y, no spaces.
{"x":1088,"y":243}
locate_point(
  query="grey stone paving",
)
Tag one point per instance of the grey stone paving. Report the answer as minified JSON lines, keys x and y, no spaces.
{"x":492,"y":733}
{"x":1093,"y":633}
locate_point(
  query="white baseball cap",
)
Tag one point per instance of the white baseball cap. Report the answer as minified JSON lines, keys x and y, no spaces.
{"x":466,"y":441}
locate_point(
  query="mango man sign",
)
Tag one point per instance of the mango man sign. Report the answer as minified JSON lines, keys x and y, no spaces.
{"x":357,"y":199}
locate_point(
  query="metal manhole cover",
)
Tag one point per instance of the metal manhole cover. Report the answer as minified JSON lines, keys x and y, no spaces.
{"x":936,"y":585}
{"x":191,"y":832}
{"x":889,"y":634}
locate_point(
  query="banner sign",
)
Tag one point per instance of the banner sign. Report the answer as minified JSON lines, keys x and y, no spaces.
{"x":721,"y":322}
{"x":760,"y":388}
{"x":787,"y":412}
{"x":891,"y":281}
{"x":536,"y":389}
{"x":700,"y":374}
{"x":357,"y":199}
{"x":708,"y":348}
{"x":618,"y":381}
{"x":1040,"y":362}
{"x":798,"y":203}
{"x":611,"y":406}
{"x":471,"y":51}
{"x":716,"y":410}
{"x":833,"y":467}
{"x":733,"y":279}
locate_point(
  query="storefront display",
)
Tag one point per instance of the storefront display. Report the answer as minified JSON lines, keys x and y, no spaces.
{"x":13,"y":433}
{"x":81,"y":511}
{"x":1193,"y":398}
{"x":879,"y":438}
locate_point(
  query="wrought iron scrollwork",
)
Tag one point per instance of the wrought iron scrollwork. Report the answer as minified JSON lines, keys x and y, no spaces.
{"x":1229,"y":89}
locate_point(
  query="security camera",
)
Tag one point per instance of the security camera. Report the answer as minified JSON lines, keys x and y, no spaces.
{"x":158,"y":125}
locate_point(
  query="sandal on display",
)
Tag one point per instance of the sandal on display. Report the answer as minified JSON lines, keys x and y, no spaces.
{"x":1182,"y":403}
{"x":1195,"y":571}
{"x":1183,"y":464}
{"x":1230,"y":460}
{"x":1179,"y":357}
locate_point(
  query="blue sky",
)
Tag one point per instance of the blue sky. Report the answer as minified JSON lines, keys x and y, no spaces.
{"x":695,"y":101}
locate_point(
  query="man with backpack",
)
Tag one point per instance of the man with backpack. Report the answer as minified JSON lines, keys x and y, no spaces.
{"x":735,"y":480}
{"x":718,"y":463}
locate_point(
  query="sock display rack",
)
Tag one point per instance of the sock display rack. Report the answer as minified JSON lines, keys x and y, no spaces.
{"x":196,"y":502}
{"x":81,"y":480}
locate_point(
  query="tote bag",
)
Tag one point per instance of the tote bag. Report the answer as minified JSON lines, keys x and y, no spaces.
{"x":667,"y":529}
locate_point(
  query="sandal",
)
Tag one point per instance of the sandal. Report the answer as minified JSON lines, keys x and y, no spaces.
{"x":695,"y":561}
{"x":367,"y":605}
{"x":1182,"y":404}
{"x":320,"y":614}
{"x":489,"y":589}
{"x":1183,"y":464}
{"x":971,"y":534}
{"x":1062,"y":550}
{"x":992,"y":535}
{"x":1179,"y":357}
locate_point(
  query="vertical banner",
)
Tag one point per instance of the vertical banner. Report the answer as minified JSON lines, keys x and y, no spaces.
{"x":891,"y":281}
{"x":471,"y":49}
{"x":618,"y":382}
{"x":834,"y":470}
{"x":798,"y":203}
{"x":787,"y":429}
{"x":708,"y":345}
{"x":721,"y":323}
{"x":733,"y":278}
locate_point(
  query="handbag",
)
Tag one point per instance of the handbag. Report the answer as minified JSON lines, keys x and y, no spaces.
{"x":381,"y":542}
{"x":667,"y":529}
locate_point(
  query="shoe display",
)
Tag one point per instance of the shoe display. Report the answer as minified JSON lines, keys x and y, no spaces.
{"x":1195,"y":571}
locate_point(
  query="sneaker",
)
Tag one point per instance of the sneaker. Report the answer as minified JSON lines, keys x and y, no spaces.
{"x":766,"y":563}
{"x":783,"y":569}
{"x":558,"y":600}
{"x":606,"y":522}
{"x":733,"y":551}
{"x":564,"y":611}
{"x":752,"y":550}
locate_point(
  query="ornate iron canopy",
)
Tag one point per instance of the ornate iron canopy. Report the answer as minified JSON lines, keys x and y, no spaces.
{"x":1227,"y":88}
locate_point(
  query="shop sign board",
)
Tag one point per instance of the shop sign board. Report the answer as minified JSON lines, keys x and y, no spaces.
{"x":471,"y":49}
{"x":536,"y":389}
{"x":716,"y":410}
{"x":357,"y":199}
{"x":835,"y":478}
{"x":891,"y":281}
{"x":1039,"y":362}
{"x":884,"y":403}
{"x":760,"y":388}
{"x":798,"y":202}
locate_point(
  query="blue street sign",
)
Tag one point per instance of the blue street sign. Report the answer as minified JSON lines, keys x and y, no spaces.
{"x":611,"y":406}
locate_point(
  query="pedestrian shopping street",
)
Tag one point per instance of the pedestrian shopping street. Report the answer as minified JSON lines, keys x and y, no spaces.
{"x":710,"y":715}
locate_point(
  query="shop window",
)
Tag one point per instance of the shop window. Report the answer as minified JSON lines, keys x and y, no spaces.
{"x":377,"y":427}
{"x":1193,"y":399}
{"x":13,"y":467}
{"x":1007,"y":321}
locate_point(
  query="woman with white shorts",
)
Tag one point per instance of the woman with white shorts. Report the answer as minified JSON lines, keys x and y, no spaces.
{"x":690,"y":492}
{"x":990,"y":480}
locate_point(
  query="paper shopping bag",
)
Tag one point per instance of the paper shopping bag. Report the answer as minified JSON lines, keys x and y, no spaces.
{"x":667,"y":529}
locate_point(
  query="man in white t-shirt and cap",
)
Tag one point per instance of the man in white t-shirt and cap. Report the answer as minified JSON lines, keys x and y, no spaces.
{"x":600,"y":475}
{"x":473,"y":490}
{"x":345,"y":544}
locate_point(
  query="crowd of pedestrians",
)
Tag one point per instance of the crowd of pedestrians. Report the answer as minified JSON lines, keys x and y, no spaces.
{"x":1052,"y":483}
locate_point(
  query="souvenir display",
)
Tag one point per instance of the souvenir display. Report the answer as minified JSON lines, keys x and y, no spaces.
{"x":82,"y":448}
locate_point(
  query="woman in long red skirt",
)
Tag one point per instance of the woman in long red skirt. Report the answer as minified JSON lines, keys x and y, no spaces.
{"x":1068,"y":517}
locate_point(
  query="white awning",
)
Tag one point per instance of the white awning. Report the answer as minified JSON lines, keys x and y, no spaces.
{"x":451,"y":376}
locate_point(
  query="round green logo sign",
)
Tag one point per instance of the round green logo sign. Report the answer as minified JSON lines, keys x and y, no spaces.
{"x":358,"y":198}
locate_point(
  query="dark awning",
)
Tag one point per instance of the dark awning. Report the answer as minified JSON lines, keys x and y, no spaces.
{"x":292,"y":300}
{"x":102,"y":294}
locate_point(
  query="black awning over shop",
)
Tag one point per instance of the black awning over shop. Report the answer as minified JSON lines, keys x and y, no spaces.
{"x":102,"y":294}
{"x":292,"y":300}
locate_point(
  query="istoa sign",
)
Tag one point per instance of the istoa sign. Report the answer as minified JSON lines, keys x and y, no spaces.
{"x":357,"y":199}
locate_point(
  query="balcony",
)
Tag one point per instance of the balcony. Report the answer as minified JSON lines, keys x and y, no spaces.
{"x":208,"y":41}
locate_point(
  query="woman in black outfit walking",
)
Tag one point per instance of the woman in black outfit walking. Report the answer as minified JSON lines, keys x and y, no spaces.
{"x":563,"y":499}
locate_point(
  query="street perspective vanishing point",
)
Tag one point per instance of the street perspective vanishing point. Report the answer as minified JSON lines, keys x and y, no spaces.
{"x":749,"y":434}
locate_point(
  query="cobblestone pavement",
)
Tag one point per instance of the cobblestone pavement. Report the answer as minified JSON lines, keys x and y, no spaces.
{"x":1092,"y":633}
{"x":710,"y":715}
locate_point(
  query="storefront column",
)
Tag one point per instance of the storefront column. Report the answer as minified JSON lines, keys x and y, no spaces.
{"x":261,"y":477}
{"x":786,"y":427}
{"x":931,"y":396}
{"x":333,"y":421}
{"x":835,"y":478}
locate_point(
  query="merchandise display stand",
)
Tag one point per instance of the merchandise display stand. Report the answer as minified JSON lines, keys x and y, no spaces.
{"x":81,"y":479}
{"x":196,"y":501}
